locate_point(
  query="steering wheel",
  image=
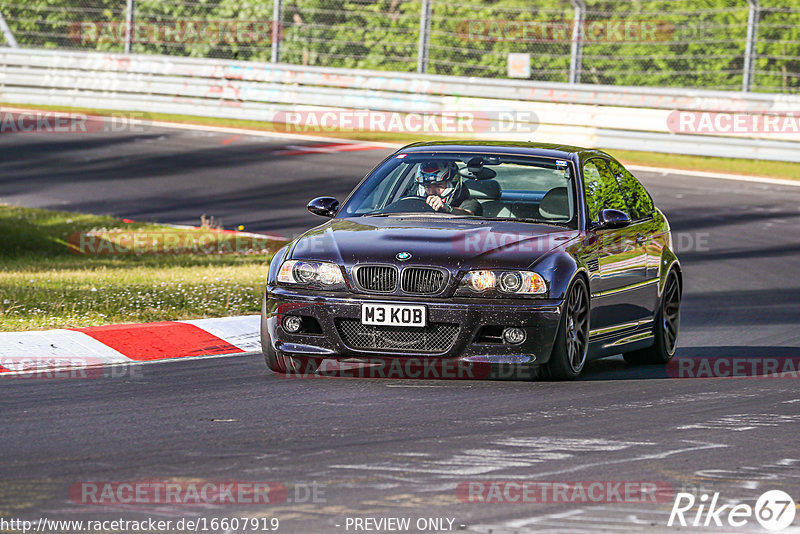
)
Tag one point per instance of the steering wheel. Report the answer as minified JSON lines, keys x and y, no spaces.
{"x":409,"y":205}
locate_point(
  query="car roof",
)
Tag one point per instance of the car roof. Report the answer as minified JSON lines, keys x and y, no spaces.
{"x":509,"y":147}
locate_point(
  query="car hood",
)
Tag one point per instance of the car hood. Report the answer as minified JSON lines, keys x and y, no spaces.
{"x":451,"y":243}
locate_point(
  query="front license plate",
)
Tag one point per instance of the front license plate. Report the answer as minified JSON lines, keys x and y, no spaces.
{"x":393,"y":314}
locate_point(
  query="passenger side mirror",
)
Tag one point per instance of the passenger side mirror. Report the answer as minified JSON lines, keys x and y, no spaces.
{"x":324,"y":206}
{"x":610,"y":219}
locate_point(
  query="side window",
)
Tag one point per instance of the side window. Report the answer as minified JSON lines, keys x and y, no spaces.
{"x":601,"y":189}
{"x":639,"y":202}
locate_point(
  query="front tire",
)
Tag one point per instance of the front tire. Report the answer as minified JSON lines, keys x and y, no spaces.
{"x":666,"y":328}
{"x":275,"y":360}
{"x":572,"y":339}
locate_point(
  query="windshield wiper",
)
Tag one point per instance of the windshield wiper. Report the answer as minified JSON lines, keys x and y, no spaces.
{"x":413,"y":214}
{"x":521,"y":219}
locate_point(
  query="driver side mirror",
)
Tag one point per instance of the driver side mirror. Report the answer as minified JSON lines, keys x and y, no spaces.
{"x":324,"y":206}
{"x":610,"y":219}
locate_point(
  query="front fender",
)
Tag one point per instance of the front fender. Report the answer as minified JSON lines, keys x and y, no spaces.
{"x":275,"y":265}
{"x":559,"y":268}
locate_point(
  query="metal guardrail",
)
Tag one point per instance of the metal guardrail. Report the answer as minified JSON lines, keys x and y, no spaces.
{"x":722,"y":44}
{"x":589,"y":115}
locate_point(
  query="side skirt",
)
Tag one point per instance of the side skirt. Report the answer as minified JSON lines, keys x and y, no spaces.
{"x":629,"y":340}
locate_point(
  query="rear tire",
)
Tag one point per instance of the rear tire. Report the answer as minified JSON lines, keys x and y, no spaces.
{"x":572,"y":339}
{"x":666,"y":328}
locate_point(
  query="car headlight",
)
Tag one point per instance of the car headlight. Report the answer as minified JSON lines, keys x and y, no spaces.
{"x":310,"y":273}
{"x":505,"y":282}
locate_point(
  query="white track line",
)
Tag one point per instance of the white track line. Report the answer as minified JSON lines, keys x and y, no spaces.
{"x":210,"y":128}
{"x":286,"y":135}
{"x":270,"y":134}
{"x":280,"y":135}
{"x":719,"y":175}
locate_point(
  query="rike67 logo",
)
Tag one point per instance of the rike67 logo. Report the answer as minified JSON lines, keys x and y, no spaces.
{"x":774,"y":510}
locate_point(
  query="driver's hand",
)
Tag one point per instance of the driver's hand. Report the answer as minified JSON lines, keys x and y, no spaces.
{"x":435,"y":202}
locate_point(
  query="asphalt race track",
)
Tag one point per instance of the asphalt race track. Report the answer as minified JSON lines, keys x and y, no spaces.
{"x":400,"y":448}
{"x":177,"y":176}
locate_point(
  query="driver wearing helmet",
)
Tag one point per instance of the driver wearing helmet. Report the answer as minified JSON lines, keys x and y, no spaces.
{"x":440,"y":184}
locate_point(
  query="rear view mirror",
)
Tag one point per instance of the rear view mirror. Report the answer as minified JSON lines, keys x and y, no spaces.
{"x":476,"y":170}
{"x":324,"y":206}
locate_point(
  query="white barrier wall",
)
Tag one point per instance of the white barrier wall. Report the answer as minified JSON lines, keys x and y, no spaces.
{"x":662,"y":120}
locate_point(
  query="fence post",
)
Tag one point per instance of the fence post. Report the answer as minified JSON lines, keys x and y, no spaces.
{"x":576,"y":49}
{"x":750,"y":46}
{"x":424,"y":37}
{"x":7,"y":33}
{"x":130,"y":19}
{"x":277,"y":16}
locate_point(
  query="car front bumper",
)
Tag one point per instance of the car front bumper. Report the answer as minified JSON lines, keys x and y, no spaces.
{"x":538,"y":318}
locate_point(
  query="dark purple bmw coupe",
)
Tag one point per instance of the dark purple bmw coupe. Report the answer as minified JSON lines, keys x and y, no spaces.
{"x":508,"y":254}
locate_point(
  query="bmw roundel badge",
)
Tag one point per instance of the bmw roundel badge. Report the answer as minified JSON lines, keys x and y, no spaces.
{"x":403,"y":256}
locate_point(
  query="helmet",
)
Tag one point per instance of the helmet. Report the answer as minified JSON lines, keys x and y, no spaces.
{"x":438,"y":173}
{"x":434,"y":172}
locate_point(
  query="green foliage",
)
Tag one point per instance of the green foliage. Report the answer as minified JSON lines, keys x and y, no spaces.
{"x":660,"y":43}
{"x":56,"y":23}
{"x":777,"y":65}
{"x":475,"y":39}
{"x":354,"y":34}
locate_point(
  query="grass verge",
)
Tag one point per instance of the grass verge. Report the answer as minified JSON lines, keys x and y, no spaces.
{"x":747,"y":167}
{"x":44,"y":285}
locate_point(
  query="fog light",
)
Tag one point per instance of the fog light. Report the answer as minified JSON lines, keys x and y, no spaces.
{"x":515,"y":336}
{"x":292,"y":323}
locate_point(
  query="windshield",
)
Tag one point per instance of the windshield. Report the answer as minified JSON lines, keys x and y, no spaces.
{"x":488,"y":186}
